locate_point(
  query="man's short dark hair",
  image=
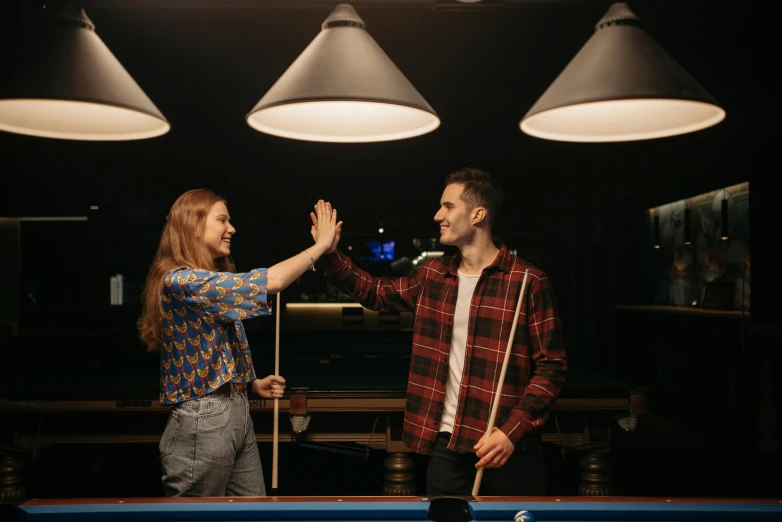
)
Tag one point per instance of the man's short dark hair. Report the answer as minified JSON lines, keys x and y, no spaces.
{"x":480,"y":190}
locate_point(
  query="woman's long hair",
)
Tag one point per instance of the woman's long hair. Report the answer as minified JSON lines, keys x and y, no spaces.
{"x":181,"y":244}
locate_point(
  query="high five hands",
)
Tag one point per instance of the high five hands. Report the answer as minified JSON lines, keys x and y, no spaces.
{"x":324,"y":215}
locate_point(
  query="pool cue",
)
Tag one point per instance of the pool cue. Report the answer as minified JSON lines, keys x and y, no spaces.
{"x":479,"y":476}
{"x":275,"y":440}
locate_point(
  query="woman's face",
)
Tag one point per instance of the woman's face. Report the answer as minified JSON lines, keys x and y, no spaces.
{"x":218,"y":231}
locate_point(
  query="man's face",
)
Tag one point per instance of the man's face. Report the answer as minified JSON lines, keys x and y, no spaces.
{"x":454,"y":217}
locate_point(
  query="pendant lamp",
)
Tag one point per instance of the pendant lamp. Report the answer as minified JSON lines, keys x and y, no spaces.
{"x":70,"y":86}
{"x":621,"y":86}
{"x":343,"y":88}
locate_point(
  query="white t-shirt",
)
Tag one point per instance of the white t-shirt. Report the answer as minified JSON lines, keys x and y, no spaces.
{"x":461,"y":320}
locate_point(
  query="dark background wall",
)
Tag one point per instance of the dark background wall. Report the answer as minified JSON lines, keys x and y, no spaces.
{"x":576,"y":210}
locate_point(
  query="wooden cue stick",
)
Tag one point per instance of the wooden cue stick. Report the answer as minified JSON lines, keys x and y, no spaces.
{"x":275,"y":440}
{"x":479,"y":476}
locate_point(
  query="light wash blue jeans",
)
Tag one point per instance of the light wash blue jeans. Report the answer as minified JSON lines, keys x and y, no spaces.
{"x":208,"y":449}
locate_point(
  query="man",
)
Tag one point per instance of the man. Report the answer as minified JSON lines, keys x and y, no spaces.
{"x":464,"y":306}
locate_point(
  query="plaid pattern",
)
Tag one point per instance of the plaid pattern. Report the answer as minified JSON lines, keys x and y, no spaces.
{"x":537,"y":365}
{"x":203,"y":333}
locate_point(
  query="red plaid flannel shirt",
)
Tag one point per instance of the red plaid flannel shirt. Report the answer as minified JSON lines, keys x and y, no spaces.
{"x":536,"y":368}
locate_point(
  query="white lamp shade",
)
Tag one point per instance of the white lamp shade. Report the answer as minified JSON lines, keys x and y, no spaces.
{"x":621,"y":86}
{"x":343,"y":88}
{"x":72,"y":87}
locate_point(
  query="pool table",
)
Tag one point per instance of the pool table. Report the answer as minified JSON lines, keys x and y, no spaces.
{"x":353,"y":401}
{"x":408,"y":508}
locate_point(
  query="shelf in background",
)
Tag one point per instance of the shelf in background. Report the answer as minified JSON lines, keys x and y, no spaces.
{"x":734,"y":314}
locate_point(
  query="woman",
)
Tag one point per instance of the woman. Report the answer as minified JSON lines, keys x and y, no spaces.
{"x":193,"y":305}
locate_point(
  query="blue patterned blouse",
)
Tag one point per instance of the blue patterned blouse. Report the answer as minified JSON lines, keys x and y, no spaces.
{"x":204,"y":341}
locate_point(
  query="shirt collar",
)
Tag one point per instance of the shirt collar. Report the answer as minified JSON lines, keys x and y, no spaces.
{"x":503,"y":261}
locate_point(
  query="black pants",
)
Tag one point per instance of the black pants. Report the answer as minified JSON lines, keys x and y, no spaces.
{"x":453,"y":474}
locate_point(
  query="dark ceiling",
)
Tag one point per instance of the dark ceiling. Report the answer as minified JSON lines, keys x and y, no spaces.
{"x":205,"y":63}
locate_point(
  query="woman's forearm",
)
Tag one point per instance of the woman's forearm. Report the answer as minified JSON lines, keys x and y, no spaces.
{"x":281,"y":275}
